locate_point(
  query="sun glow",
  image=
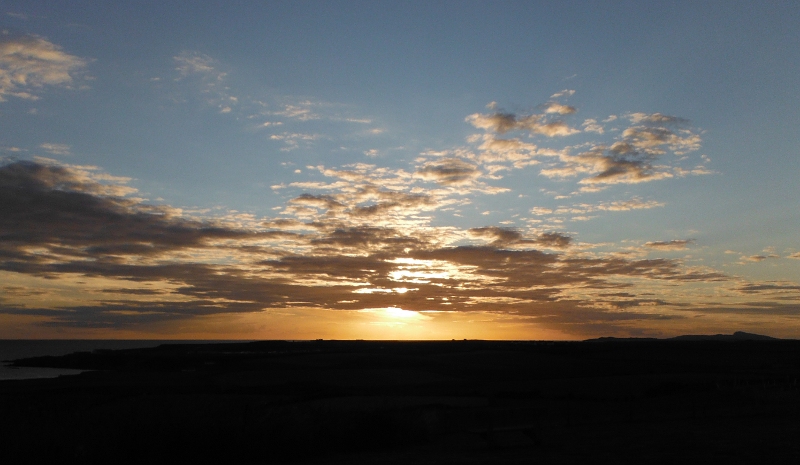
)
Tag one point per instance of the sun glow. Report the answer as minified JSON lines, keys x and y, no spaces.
{"x":396,"y":312}
{"x":412,"y":270}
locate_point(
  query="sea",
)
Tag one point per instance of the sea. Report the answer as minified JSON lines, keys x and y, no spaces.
{"x":12,"y":349}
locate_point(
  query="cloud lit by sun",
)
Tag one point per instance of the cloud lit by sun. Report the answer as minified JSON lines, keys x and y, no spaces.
{"x":286,"y":189}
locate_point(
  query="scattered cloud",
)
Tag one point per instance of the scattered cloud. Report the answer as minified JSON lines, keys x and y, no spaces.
{"x":591,"y":125}
{"x":203,"y":74}
{"x":631,"y":159}
{"x":630,"y":155}
{"x":143,"y":263}
{"x":294,"y":140}
{"x":189,"y":63}
{"x":362,"y":236}
{"x":29,"y":63}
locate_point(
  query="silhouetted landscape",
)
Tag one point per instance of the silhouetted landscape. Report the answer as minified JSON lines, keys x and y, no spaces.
{"x":732,"y":398}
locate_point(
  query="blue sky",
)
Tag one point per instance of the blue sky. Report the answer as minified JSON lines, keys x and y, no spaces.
{"x":399,"y":169}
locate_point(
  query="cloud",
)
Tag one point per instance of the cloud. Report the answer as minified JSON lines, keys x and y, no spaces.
{"x":55,"y":149}
{"x":655,"y":140}
{"x":758,"y":258}
{"x":190,"y":63}
{"x":70,"y":212}
{"x":769,"y":287}
{"x":560,"y":109}
{"x":509,"y":237}
{"x":655,"y":118}
{"x":143,"y":264}
{"x":612,"y":206}
{"x":669,"y":245}
{"x":449,"y":171}
{"x":294,"y":140}
{"x":502,"y":123}
{"x":205,"y":79}
{"x":360,"y":237}
{"x":634,"y":157}
{"x":29,"y":63}
{"x":553,"y":240}
{"x":795,"y":255}
{"x":563,"y":93}
{"x":513,"y":150}
{"x":591,"y":125}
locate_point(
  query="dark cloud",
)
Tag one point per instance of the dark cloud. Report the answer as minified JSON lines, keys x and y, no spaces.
{"x":669,"y":245}
{"x":327,"y":202}
{"x":759,"y":288}
{"x":499,"y":237}
{"x":64,"y":222}
{"x":59,"y":212}
{"x":507,"y":237}
{"x":449,"y":171}
{"x":553,"y":240}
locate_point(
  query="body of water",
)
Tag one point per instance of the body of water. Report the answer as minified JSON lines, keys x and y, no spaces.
{"x":12,"y":349}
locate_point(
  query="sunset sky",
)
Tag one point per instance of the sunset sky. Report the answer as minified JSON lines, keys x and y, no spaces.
{"x":399,"y":170}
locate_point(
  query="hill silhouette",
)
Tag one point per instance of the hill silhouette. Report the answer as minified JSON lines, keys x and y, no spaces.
{"x":737,"y":336}
{"x":734,"y":398}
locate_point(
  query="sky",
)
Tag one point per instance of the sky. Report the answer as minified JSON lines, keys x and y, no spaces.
{"x":399,"y":170}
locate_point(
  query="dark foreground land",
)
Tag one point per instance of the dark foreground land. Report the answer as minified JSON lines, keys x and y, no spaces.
{"x":679,"y":401}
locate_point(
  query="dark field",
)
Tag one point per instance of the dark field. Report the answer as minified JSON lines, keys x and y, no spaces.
{"x":412,"y":402}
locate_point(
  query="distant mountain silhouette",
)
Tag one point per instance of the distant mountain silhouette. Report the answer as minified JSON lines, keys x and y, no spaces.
{"x":737,"y":336}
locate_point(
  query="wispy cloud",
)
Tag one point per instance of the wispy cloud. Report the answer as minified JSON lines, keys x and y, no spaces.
{"x":294,"y":140}
{"x":55,"y":149}
{"x":210,"y":81}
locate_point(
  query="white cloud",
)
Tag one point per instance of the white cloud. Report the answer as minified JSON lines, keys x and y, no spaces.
{"x":560,"y":109}
{"x":563,"y":93}
{"x":590,"y":125}
{"x":541,"y":211}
